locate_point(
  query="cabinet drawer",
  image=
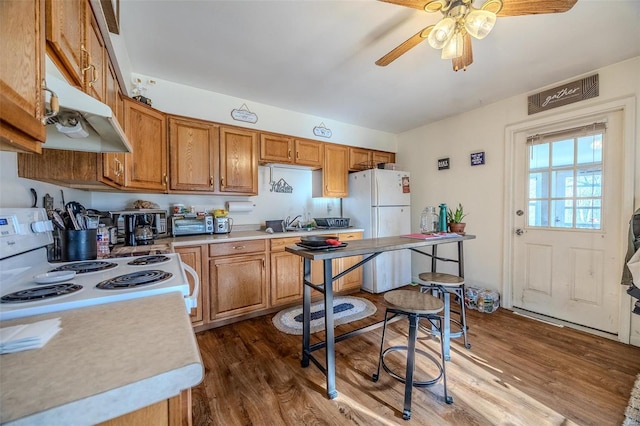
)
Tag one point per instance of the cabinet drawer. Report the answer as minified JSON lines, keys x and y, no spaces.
{"x":237,"y":247}
{"x":278,"y":244}
{"x":350,"y":236}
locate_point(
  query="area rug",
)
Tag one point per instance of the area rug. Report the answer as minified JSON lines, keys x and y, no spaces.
{"x":345,"y":309}
{"x":632,"y":413}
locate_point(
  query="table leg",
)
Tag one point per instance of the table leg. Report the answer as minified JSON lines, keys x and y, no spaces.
{"x":446,"y":339}
{"x":329,"y":331}
{"x":306,"y":313}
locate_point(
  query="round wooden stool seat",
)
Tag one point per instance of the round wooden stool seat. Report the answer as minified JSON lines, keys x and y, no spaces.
{"x":441,"y":279}
{"x":414,"y":302}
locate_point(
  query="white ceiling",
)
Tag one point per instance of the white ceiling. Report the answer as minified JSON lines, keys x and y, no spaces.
{"x":317,"y":56}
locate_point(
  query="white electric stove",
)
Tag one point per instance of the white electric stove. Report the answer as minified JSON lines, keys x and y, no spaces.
{"x":30,"y":285}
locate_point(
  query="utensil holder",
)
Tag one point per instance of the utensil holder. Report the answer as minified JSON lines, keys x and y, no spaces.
{"x":79,"y":245}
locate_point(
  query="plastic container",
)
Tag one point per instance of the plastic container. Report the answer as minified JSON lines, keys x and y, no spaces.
{"x":481,"y":299}
{"x":102,"y":242}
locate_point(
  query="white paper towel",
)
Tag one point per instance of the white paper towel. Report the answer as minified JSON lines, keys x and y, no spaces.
{"x":239,"y":206}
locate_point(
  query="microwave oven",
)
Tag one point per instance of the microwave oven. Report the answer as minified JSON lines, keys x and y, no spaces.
{"x":191,"y":225}
{"x":158,"y":219}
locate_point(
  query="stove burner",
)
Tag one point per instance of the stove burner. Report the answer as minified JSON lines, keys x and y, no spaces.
{"x":85,"y":267}
{"x":148,"y":260}
{"x":134,"y":279}
{"x":40,"y":293}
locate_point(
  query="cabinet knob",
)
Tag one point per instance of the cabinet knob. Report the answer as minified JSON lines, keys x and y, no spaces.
{"x":289,"y":154}
{"x":222,"y":182}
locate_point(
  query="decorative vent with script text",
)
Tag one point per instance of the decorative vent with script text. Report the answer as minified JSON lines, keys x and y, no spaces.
{"x":566,"y":94}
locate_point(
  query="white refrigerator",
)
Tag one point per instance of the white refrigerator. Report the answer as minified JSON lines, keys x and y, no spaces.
{"x":379,"y":202}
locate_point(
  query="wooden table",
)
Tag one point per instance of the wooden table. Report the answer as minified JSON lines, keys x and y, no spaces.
{"x":369,"y":249}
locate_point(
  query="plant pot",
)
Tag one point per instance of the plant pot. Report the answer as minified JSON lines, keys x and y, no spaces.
{"x":458,"y":228}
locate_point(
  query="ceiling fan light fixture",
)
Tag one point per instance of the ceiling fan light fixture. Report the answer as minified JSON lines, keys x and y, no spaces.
{"x":453,"y":49}
{"x":479,"y":23}
{"x":442,"y":33}
{"x":466,"y":59}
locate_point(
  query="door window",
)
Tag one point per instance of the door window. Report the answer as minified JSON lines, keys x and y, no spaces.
{"x":565,"y":178}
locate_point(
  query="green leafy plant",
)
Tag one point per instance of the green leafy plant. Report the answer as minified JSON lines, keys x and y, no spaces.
{"x":457,"y":216}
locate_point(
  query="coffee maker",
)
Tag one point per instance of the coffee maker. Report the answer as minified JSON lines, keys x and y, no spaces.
{"x":156,"y":218}
{"x":137,"y":230}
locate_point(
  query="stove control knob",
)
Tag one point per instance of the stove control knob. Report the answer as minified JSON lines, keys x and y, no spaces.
{"x":42,"y":226}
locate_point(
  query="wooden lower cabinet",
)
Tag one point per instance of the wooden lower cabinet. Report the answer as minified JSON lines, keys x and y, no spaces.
{"x":350,"y":282}
{"x":286,"y":273}
{"x":193,"y":256}
{"x":174,"y":411}
{"x":237,"y":278}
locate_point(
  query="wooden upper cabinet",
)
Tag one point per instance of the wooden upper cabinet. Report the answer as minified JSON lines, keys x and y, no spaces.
{"x":21,"y":74}
{"x":66,"y":23}
{"x":382,"y":157}
{"x":95,"y":69}
{"x":238,"y":161}
{"x":309,"y":153}
{"x":146,"y":166}
{"x":275,"y":149}
{"x":332,"y":180}
{"x":193,"y":154}
{"x":359,"y":159}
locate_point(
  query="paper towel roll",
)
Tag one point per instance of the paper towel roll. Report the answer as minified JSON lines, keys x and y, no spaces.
{"x":239,"y":206}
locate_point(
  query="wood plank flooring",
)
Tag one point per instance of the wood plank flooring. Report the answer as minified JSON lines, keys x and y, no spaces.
{"x":519,"y":371}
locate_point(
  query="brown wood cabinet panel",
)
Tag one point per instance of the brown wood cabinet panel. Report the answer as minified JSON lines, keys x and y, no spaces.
{"x":193,"y":154}
{"x":350,"y":282}
{"x":237,"y":247}
{"x":334,"y":172}
{"x":238,"y":161}
{"x":21,"y":73}
{"x":276,"y":149}
{"x":146,"y":166}
{"x":113,"y":163}
{"x":66,"y":24}
{"x":193,"y":256}
{"x":382,"y":157}
{"x":359,"y":159}
{"x":309,"y":153}
{"x":286,"y":272}
{"x":238,"y":285}
{"x":95,"y":69}
{"x":175,"y":411}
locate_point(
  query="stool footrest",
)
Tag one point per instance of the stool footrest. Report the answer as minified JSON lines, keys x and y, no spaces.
{"x":416,"y":383}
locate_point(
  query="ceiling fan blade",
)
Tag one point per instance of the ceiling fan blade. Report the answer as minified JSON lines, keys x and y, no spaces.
{"x":404,"y":47}
{"x":528,"y":7}
{"x":416,"y":4}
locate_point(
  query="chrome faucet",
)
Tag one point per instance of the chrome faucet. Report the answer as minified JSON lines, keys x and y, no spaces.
{"x":288,"y":222}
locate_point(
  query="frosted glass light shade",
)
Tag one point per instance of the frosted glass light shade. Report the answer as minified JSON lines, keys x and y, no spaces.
{"x":441,"y":33}
{"x":453,"y":49}
{"x":479,"y":23}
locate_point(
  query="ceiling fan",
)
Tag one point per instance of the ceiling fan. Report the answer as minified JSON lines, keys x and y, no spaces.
{"x":461,"y":20}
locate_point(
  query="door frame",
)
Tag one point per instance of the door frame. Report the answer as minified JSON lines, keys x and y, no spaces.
{"x":628,"y":107}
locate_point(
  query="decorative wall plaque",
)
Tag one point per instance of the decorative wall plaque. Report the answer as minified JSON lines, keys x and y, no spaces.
{"x":281,"y":186}
{"x":243,"y":114}
{"x":477,"y":158}
{"x":566,"y":94}
{"x":443,"y":163}
{"x":321,"y":130}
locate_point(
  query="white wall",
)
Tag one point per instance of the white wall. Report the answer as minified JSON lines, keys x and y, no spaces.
{"x":482,"y":189}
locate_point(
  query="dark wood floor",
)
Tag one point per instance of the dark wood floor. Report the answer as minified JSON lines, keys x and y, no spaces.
{"x":518,"y":372}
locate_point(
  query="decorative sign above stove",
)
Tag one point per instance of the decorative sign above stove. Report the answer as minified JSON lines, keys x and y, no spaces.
{"x":566,"y":94}
{"x":321,"y":130}
{"x":243,"y":114}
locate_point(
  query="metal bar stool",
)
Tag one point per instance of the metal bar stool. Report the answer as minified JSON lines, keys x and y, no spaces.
{"x":414,"y":305}
{"x":444,"y":285}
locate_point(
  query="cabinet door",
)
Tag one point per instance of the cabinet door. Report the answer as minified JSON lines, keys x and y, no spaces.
{"x":21,"y":74}
{"x":286,"y":272}
{"x":359,"y":159}
{"x":193,"y":152}
{"x":276,"y":149}
{"x":95,"y":69}
{"x":193,"y":256}
{"x":238,"y":285}
{"x":174,"y":411}
{"x":335,"y":171}
{"x":146,"y":166}
{"x":383,"y":157}
{"x":309,"y":153}
{"x":113,"y":162}
{"x":66,"y":23}
{"x":238,"y":161}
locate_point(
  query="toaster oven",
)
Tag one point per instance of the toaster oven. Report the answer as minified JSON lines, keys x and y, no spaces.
{"x":191,"y":225}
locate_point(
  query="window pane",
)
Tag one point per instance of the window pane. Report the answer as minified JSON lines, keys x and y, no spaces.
{"x":562,"y":213}
{"x":539,"y":213}
{"x":588,"y":213}
{"x":562,"y":153}
{"x":590,"y":149}
{"x":562,"y":184}
{"x":589,"y":182}
{"x":539,"y":156}
{"x":539,"y":185}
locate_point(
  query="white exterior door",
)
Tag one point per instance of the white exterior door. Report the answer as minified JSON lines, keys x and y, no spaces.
{"x":568,"y":197}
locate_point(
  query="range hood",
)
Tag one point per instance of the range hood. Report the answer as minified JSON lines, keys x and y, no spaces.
{"x":83,"y":123}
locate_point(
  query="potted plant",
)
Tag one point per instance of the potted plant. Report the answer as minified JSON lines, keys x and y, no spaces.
{"x":454,"y":219}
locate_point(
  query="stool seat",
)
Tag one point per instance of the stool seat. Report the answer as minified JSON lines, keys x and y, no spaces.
{"x":414,"y":302}
{"x":441,"y":278}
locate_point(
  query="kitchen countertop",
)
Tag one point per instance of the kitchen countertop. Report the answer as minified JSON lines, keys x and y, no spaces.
{"x":106,"y":361}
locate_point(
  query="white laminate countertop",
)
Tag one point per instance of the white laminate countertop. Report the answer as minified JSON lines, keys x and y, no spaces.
{"x":106,"y":361}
